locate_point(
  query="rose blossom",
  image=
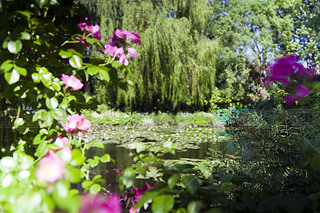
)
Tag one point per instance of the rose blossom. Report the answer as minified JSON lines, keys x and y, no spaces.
{"x":72,"y":81}
{"x":50,"y":169}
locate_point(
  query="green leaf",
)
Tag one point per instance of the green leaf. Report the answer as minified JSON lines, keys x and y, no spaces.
{"x":75,"y":61}
{"x":25,"y":13}
{"x":47,"y":79}
{"x":95,"y":188}
{"x":6,"y":66}
{"x":42,"y":149}
{"x":60,"y":115}
{"x":65,"y":54}
{"x":181,"y":210}
{"x":25,"y":36}
{"x":6,"y":180}
{"x":52,"y":103}
{"x":105,"y":158}
{"x":93,"y":162}
{"x":191,"y":183}
{"x":56,"y":86}
{"x":92,"y":70}
{"x":62,"y":188}
{"x":48,"y":120}
{"x":162,"y":203}
{"x":20,"y":70}
{"x":26,"y":162}
{"x":12,"y":77}
{"x":194,"y":206}
{"x":18,"y":122}
{"x":98,"y":144}
{"x":7,"y":164}
{"x":173,"y":180}
{"x":14,"y":47}
{"x":86,"y":183}
{"x":104,"y":74}
{"x":146,"y":198}
{"x":77,"y":159}
{"x":128,"y":177}
{"x":116,"y":64}
{"x":42,"y":3}
{"x":91,"y":40}
{"x":36,"y":77}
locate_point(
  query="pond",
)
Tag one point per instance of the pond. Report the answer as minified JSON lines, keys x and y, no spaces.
{"x":193,"y":143}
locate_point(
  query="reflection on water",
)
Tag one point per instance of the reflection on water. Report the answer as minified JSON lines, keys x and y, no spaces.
{"x":124,"y":157}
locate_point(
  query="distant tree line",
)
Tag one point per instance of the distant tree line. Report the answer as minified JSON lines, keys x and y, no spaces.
{"x":205,"y":54}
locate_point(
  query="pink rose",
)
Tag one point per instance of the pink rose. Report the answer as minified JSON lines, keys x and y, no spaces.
{"x":72,"y":81}
{"x":50,"y":169}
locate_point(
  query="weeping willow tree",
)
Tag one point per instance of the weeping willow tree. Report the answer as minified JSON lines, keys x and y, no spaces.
{"x":176,"y":65}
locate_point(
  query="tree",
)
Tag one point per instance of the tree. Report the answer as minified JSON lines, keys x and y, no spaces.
{"x":176,"y":69}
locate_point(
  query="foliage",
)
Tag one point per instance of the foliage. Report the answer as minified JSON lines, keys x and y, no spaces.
{"x":278,"y":150}
{"x":103,"y":115}
{"x":42,"y":61}
{"x":176,"y":68}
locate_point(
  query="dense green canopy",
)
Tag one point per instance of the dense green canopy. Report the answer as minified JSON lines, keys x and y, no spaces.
{"x":200,"y":55}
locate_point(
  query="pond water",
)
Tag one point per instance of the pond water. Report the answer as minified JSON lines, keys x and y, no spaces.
{"x":193,"y":144}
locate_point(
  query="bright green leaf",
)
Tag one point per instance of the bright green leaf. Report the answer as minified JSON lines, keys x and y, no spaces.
{"x":36,"y":77}
{"x":7,"y":164}
{"x":98,"y":144}
{"x":14,"y":47}
{"x":77,"y":159}
{"x":128,"y":177}
{"x":12,"y":77}
{"x":104,"y":74}
{"x":52,"y":103}
{"x":42,"y":3}
{"x":75,"y":61}
{"x":116,"y":64}
{"x":92,"y":70}
{"x":105,"y":158}
{"x":95,"y":188}
{"x":65,"y":54}
{"x":6,"y":66}
{"x":18,"y":122}
{"x":62,"y":188}
{"x":6,"y":180}
{"x":42,"y":149}
{"x":25,"y":36}
{"x":86,"y":183}
{"x":20,"y":70}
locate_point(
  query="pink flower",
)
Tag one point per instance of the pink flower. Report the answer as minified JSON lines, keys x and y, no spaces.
{"x":133,"y":37}
{"x":283,"y":67}
{"x":132,"y":53}
{"x":100,"y":204}
{"x":76,"y":123}
{"x":81,"y":40}
{"x":110,"y":50}
{"x":300,"y":92}
{"x":139,"y":192}
{"x":50,"y":169}
{"x":94,"y":30}
{"x":60,"y":142}
{"x":72,"y":81}
{"x":120,"y":34}
{"x":82,"y":26}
